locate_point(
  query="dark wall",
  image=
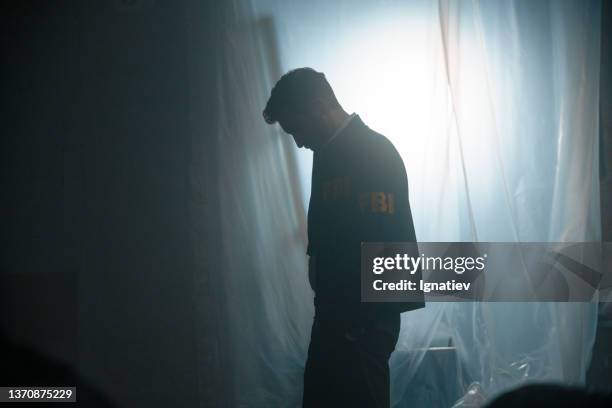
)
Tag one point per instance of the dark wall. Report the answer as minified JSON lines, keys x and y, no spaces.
{"x":605,"y":130}
{"x":600,"y":371}
{"x":96,"y":252}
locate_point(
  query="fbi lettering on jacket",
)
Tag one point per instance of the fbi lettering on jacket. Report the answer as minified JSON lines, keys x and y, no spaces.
{"x":339,"y":188}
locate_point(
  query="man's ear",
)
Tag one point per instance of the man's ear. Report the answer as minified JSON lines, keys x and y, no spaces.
{"x":320,"y":109}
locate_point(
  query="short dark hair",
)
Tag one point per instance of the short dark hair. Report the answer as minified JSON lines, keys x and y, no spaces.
{"x":295,"y":91}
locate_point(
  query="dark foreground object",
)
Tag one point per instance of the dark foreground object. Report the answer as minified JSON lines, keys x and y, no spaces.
{"x":548,"y":395}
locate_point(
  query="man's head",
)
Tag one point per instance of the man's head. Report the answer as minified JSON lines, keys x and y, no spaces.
{"x":305,"y":106}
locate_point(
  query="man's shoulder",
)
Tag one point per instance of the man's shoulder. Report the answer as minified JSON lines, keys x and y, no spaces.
{"x":365,"y":153}
{"x":383,"y":145}
{"x":378,"y":152}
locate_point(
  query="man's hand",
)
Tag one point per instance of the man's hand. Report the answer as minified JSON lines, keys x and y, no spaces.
{"x":312,"y":271}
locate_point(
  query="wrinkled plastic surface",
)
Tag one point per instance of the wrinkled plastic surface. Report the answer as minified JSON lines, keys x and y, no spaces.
{"x":474,"y":397}
{"x":493,"y":106}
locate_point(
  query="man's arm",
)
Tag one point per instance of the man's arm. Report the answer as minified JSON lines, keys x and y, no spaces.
{"x":382,"y":201}
{"x":385,"y":216}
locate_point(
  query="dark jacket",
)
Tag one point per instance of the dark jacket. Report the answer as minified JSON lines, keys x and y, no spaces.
{"x":359,"y":194}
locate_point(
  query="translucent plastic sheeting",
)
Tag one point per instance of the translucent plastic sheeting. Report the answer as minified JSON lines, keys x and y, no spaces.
{"x":493,"y":107}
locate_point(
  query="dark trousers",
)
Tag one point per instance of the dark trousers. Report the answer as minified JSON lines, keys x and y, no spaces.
{"x":348,"y":359}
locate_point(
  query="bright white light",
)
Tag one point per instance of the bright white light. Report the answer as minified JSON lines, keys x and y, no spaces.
{"x":392,"y":71}
{"x":389,"y":73}
{"x":389,"y":67}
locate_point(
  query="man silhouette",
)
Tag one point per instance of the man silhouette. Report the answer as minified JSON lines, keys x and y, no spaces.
{"x":359,"y":194}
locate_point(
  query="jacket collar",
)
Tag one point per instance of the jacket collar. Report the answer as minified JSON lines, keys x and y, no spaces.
{"x":353,"y":123}
{"x":344,"y":124}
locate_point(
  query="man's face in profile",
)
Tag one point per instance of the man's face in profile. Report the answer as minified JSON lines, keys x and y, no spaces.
{"x":307,"y":130}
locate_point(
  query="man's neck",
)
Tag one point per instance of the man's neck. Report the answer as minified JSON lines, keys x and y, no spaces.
{"x":337,"y":119}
